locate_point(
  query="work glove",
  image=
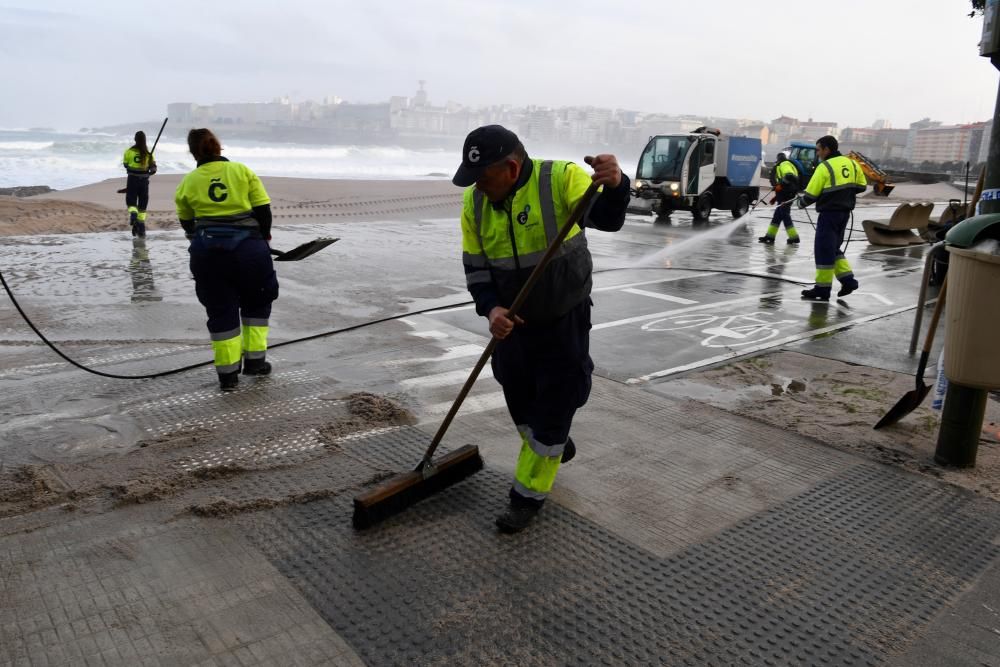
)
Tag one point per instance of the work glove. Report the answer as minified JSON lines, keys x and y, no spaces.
{"x":800,"y":202}
{"x":773,"y":201}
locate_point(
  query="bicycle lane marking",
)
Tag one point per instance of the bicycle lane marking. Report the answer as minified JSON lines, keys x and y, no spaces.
{"x":764,"y":346}
{"x":730,"y":302}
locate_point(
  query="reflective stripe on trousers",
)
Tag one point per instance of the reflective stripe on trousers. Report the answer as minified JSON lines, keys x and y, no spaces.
{"x":537,"y":466}
{"x":255,"y":337}
{"x":228,"y":349}
{"x":830,"y":260}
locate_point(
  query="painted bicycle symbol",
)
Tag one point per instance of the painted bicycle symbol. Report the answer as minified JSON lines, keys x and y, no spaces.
{"x":723,"y":331}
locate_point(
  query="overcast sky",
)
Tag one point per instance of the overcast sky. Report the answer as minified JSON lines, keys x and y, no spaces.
{"x":70,"y":64}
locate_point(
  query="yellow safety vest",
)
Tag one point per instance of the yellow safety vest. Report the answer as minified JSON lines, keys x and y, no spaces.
{"x":504,"y":243}
{"x":835,"y":184}
{"x":220,"y":191}
{"x":136,"y":165}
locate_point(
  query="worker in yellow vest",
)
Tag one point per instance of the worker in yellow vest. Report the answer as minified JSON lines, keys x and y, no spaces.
{"x":226,"y":214}
{"x":785,"y":180}
{"x":513,"y":210}
{"x":139,"y":165}
{"x":834,"y":188}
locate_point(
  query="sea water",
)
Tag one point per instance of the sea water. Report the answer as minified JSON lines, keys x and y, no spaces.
{"x":70,"y":159}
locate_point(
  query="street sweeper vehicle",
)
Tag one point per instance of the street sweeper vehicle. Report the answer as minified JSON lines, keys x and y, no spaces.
{"x":697,"y":172}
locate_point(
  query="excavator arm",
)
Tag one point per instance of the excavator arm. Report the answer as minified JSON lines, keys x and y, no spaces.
{"x":878,"y":178}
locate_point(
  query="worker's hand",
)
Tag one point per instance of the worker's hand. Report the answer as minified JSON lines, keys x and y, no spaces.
{"x":606,"y":170}
{"x":500,"y":324}
{"x":800,"y":202}
{"x":773,"y":200}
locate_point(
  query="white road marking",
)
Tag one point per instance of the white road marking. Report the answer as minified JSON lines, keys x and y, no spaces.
{"x":706,"y":306}
{"x":456,"y":352}
{"x":433,"y":334}
{"x":659,"y":295}
{"x":471,"y":405}
{"x":445,"y":379}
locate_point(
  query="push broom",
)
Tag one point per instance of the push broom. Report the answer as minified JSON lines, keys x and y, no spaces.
{"x":400,"y":492}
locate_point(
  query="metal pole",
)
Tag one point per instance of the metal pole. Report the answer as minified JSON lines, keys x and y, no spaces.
{"x":965,"y":196}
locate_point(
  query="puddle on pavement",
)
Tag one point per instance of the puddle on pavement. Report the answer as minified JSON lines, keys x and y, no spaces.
{"x":731,"y":397}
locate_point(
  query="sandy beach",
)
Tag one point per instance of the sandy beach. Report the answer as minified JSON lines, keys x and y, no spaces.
{"x":99,"y":207}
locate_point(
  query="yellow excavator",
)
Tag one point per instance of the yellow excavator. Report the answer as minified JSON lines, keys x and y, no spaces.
{"x":878,"y":179}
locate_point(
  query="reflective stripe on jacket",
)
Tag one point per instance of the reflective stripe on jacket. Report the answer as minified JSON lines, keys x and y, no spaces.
{"x":136,"y":165}
{"x":220,"y":192}
{"x":502,"y":243}
{"x":835,"y":184}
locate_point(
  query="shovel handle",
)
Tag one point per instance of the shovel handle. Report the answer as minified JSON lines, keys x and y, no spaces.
{"x":929,"y":339}
{"x":938,"y":307}
{"x":522,"y":296}
{"x":158,"y":135}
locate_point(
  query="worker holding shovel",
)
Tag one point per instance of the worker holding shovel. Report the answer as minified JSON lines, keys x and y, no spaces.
{"x":226,"y":213}
{"x":514,"y":211}
{"x":140,"y":165}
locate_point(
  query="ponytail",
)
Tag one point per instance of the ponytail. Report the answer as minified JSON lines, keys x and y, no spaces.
{"x":203,"y":144}
{"x":140,"y":144}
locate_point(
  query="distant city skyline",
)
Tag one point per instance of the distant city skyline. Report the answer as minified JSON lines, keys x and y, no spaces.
{"x":417,"y":120}
{"x":71,"y":64}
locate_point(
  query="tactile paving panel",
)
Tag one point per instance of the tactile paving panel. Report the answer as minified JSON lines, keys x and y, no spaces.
{"x":844,"y":574}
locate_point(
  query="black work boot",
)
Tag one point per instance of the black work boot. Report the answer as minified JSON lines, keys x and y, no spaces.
{"x":229,"y":381}
{"x":517,"y":517}
{"x":133,"y":218}
{"x":769,"y":240}
{"x":256,"y":367}
{"x":797,"y":240}
{"x":569,"y":451}
{"x":816,"y":294}
{"x":847,"y":286}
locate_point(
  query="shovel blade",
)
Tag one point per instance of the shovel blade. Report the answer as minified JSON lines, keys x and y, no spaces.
{"x":911,"y":401}
{"x":302,"y":251}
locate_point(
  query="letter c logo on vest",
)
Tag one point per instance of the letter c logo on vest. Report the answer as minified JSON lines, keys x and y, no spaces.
{"x":214,"y":188}
{"x":474,"y":154}
{"x":522,"y":217}
{"x":845,"y":172}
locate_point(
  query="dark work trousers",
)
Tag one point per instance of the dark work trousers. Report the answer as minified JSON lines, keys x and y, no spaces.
{"x":830,"y":228}
{"x":783,"y":214}
{"x":137,"y":192}
{"x":234,"y":283}
{"x":545,"y":374}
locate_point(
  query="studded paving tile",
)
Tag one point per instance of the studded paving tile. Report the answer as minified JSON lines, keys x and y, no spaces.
{"x":846,"y":573}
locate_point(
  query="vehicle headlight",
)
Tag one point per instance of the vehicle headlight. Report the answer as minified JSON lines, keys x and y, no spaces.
{"x":674,"y":187}
{"x":638,"y":184}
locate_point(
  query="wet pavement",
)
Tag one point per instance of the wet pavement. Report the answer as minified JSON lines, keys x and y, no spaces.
{"x":692,"y":536}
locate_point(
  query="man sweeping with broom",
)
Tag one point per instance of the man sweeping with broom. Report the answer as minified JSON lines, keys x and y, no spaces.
{"x":542,"y":360}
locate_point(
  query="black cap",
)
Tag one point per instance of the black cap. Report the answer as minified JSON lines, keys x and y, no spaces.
{"x":483,"y":147}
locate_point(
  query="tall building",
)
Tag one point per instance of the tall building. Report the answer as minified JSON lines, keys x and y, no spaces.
{"x":911,"y":138}
{"x":947,"y":143}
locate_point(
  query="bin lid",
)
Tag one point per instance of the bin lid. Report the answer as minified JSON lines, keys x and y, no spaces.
{"x":965,"y":233}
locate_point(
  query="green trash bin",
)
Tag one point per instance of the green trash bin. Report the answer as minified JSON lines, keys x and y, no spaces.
{"x":971,"y":355}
